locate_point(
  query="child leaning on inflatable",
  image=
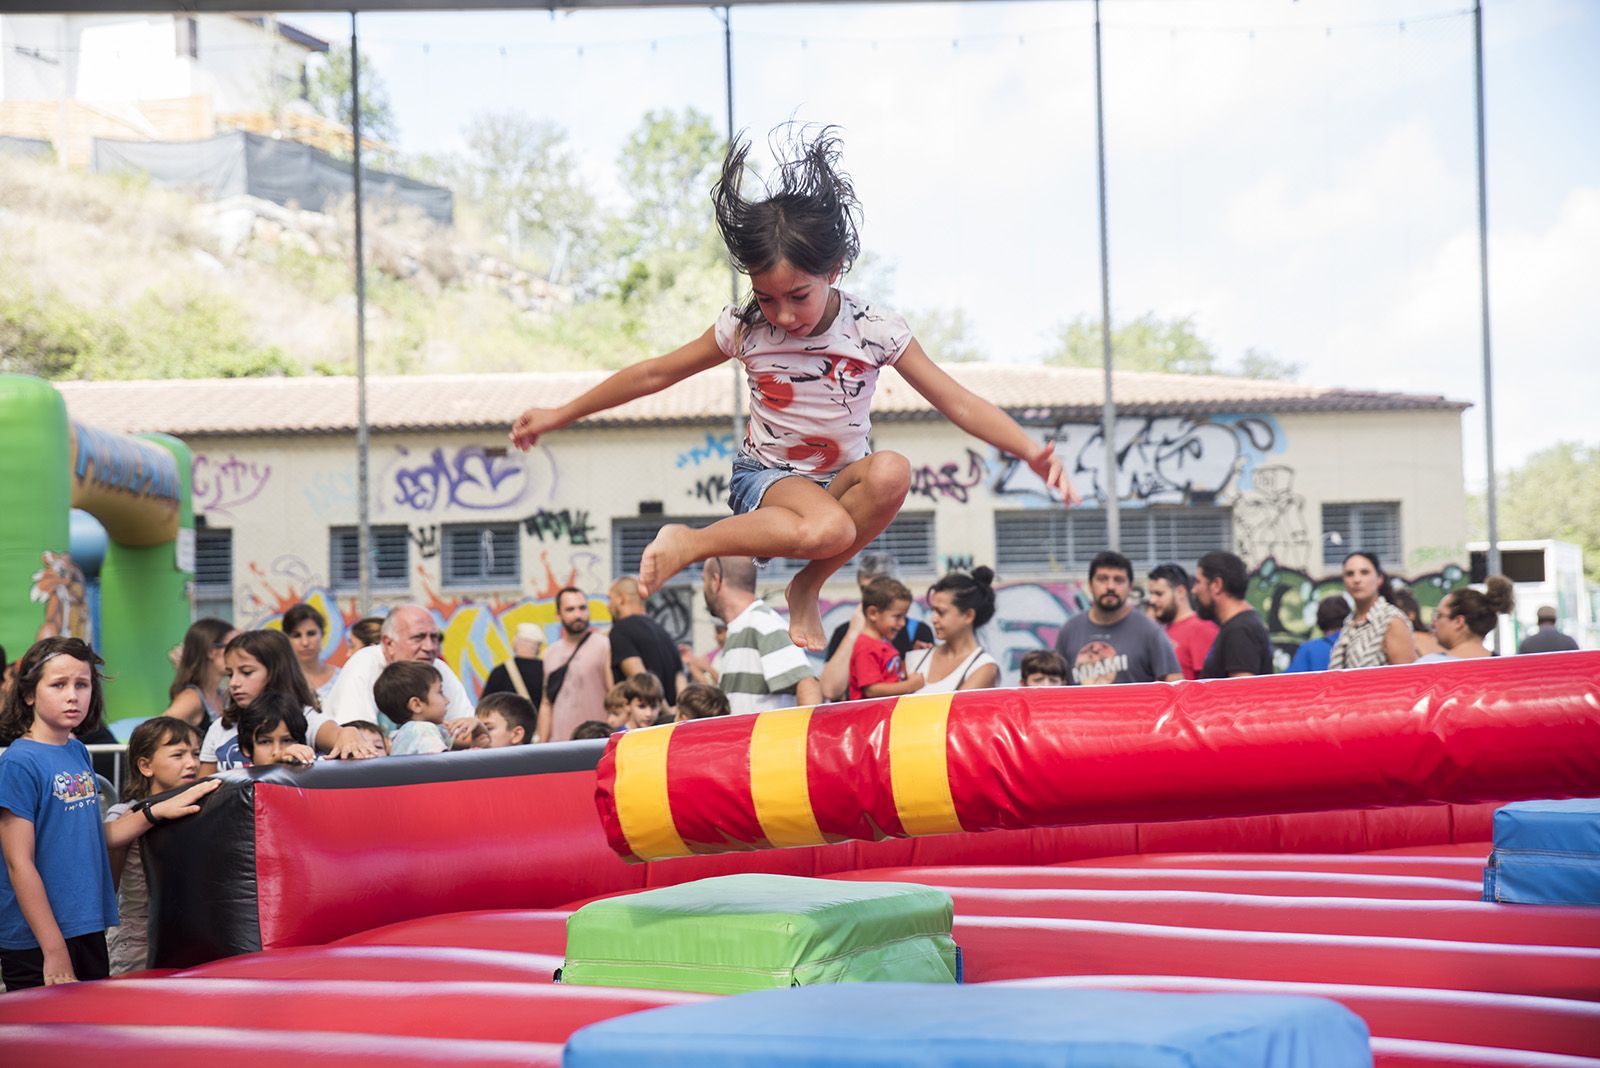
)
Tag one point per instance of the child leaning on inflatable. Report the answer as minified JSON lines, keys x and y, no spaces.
{"x":804,"y":485}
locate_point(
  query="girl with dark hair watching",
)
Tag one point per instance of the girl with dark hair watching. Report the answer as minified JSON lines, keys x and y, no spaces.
{"x":196,"y":691}
{"x":1377,"y":633}
{"x":306,"y":628}
{"x":1466,"y":616}
{"x":163,"y":754}
{"x":958,"y":605}
{"x":56,"y":895}
{"x":804,"y":484}
{"x":258,"y":662}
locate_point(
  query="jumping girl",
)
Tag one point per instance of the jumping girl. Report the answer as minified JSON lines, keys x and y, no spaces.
{"x":804,"y":485}
{"x":56,"y":893}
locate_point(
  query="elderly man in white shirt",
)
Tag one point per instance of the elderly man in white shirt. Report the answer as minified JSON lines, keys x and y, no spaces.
{"x":409,"y":633}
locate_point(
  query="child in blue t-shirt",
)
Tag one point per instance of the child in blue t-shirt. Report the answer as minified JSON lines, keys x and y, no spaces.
{"x":56,"y":894}
{"x":412,"y":694}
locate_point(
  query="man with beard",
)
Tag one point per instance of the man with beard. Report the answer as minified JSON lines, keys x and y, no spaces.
{"x":1111,"y":642}
{"x":1191,"y":636}
{"x":577,"y":671}
{"x":1243,"y":646}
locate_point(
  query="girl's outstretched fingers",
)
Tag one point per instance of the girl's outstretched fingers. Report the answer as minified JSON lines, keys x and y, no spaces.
{"x":1048,"y":466}
{"x":186,"y":803}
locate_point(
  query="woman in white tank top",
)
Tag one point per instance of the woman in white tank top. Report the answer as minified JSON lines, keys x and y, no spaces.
{"x":958,"y":604}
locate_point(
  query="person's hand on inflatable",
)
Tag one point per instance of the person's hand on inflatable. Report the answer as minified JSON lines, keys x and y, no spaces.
{"x":180,"y":805}
{"x":353,"y":744}
{"x":532,"y":424}
{"x":58,"y":968}
{"x":298,"y":756}
{"x":1047,"y":465}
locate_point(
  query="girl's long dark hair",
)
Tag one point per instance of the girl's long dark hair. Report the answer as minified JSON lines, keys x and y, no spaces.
{"x":274,"y":653}
{"x":203,"y":636}
{"x":16,"y":715}
{"x":146,"y":738}
{"x":807,"y":219}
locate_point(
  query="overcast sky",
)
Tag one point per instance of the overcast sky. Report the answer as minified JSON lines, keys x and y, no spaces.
{"x":1297,"y":176}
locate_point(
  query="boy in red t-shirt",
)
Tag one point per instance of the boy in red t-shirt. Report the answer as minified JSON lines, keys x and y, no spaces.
{"x":876,"y":669}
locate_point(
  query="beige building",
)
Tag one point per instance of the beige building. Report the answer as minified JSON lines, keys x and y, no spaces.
{"x":1292,"y":477}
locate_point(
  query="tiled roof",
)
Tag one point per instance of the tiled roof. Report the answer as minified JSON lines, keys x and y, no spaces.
{"x":217,"y":407}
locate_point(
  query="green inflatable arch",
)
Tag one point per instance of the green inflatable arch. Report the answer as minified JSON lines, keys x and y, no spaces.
{"x":138,"y":489}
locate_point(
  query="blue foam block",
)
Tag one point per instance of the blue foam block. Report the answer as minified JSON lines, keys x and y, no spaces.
{"x":876,"y":1025}
{"x":1545,"y":853}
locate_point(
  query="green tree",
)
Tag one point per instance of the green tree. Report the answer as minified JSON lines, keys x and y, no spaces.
{"x":524,"y":179}
{"x":667,"y":168}
{"x":1151,"y":343}
{"x":1555,"y":493}
{"x":945,"y":334}
{"x":329,"y":93}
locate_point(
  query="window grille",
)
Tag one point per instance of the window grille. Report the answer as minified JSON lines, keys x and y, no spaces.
{"x":391,"y":558}
{"x":481,"y":554}
{"x":1042,"y":541}
{"x":1368,"y":526}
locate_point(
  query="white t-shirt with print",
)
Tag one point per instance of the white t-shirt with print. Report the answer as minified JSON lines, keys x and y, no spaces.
{"x":811,"y":397}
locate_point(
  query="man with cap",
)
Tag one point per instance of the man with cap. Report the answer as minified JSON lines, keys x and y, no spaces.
{"x":523,"y":674}
{"x":1547,"y":639}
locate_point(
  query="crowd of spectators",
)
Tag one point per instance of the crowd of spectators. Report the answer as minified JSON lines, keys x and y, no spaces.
{"x":270,"y":696}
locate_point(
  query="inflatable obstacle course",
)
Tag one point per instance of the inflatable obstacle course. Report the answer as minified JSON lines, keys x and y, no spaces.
{"x":137,"y":488}
{"x":1545,"y":853}
{"x":753,"y":932}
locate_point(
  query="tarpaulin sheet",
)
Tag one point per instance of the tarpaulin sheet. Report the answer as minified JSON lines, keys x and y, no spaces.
{"x":941,"y":1027}
{"x":747,"y":932}
{"x":1545,"y":853}
{"x":285,"y":172}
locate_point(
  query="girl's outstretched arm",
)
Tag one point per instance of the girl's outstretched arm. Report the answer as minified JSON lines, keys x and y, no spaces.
{"x":982,"y":419}
{"x":630,"y":383}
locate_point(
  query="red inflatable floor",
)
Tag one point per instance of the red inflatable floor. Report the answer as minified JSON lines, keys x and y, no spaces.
{"x":1398,"y":936}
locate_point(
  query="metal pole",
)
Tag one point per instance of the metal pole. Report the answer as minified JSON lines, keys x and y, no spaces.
{"x":1108,"y":415}
{"x":733,"y":274}
{"x":1492,"y":491}
{"x":363,"y":518}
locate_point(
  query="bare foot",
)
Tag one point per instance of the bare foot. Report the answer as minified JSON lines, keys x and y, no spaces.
{"x":805,"y":618}
{"x":665,"y":557}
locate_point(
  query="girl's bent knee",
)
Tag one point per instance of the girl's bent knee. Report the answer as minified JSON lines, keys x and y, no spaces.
{"x":889,"y":474}
{"x":828,"y":535}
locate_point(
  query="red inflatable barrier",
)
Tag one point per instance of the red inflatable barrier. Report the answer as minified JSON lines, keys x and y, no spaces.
{"x":1462,"y":732}
{"x":1271,"y":883}
{"x":996,"y":948}
{"x":1541,"y":1025}
{"x":51,"y":1045}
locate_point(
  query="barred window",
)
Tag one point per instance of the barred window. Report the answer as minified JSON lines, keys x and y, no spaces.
{"x":481,"y":554}
{"x":1049,"y":540}
{"x":909,"y":539}
{"x":1368,"y":526}
{"x":391,"y":558}
{"x":213,"y":572}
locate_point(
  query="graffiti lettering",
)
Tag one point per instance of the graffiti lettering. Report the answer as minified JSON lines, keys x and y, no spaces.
{"x":1168,"y":460}
{"x":715,"y":447}
{"x":118,"y":462}
{"x":222,"y":484}
{"x":426,"y":539}
{"x":565,"y":525}
{"x":713,"y":489}
{"x":949,"y":480}
{"x":474,"y":478}
{"x":1270,"y":520}
{"x":957,"y":563}
{"x":673,"y":608}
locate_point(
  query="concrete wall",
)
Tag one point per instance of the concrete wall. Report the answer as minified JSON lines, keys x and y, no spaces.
{"x":280,"y":496}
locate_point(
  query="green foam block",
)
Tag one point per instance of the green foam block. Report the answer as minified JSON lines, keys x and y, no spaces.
{"x":739,"y":933}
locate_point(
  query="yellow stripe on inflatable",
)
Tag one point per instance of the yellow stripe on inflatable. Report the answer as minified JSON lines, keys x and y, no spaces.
{"x":919,"y":771}
{"x":641,"y":789}
{"x":778,"y":784}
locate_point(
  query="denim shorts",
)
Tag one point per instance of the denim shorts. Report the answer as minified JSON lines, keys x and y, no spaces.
{"x":751,"y":479}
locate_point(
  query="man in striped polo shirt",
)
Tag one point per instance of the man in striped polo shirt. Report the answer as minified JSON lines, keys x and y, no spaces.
{"x":761,"y":668}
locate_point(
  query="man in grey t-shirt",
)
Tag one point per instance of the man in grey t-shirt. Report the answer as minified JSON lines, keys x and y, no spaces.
{"x":1111,"y":642}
